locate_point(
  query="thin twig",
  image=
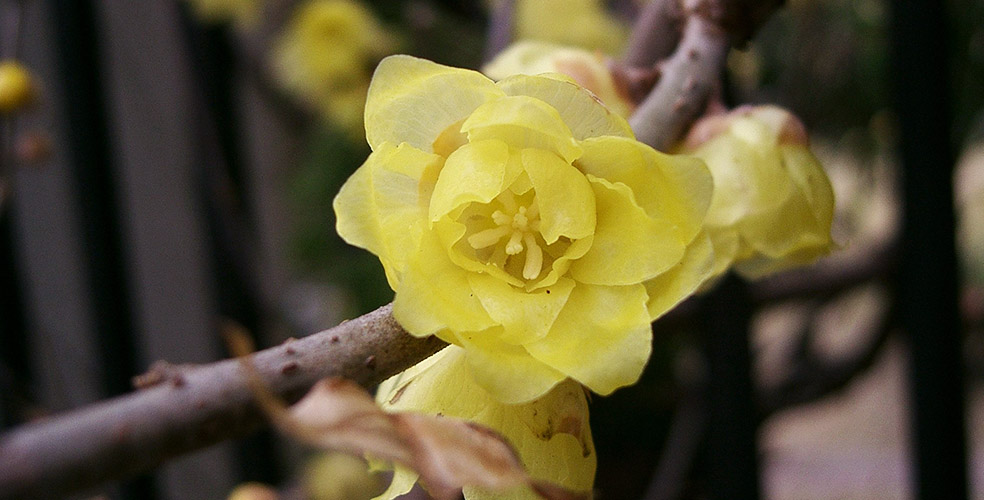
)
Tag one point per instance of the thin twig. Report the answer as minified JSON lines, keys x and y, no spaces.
{"x":688,"y":77}
{"x":655,"y":34}
{"x":815,"y":376}
{"x":500,"y":31}
{"x":190,"y":407}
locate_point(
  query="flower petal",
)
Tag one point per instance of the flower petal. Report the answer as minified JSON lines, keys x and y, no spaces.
{"x":435,"y":294}
{"x":414,"y":100}
{"x":579,"y":108}
{"x":525,"y":316}
{"x":676,"y":188}
{"x":602,"y":338}
{"x":682,"y":280}
{"x":629,"y":245}
{"x":522,"y":122}
{"x":402,"y":483}
{"x":564,"y":196}
{"x":506,"y":371}
{"x":382,"y":207}
{"x":551,"y":433}
{"x":477,"y":171}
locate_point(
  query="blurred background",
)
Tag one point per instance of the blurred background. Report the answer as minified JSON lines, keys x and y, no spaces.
{"x":173,"y":165}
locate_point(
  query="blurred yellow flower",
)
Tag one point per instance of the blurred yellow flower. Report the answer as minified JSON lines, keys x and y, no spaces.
{"x":773,"y":204}
{"x":588,"y":69}
{"x":581,"y":23}
{"x":243,"y":12}
{"x":16,"y":86}
{"x":551,"y":433}
{"x":325,"y":55}
{"x":522,"y":221}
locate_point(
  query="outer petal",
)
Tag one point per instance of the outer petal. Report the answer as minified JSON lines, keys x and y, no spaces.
{"x":602,"y":338}
{"x":522,"y":122}
{"x":435,"y":294}
{"x":474,"y":172}
{"x":382,"y":207}
{"x":564,"y":196}
{"x":506,"y":371}
{"x":403,"y":481}
{"x":551,"y":434}
{"x":629,"y":245}
{"x":414,"y":100}
{"x":676,"y":188}
{"x":682,"y":280}
{"x":525,"y":316}
{"x":579,"y":108}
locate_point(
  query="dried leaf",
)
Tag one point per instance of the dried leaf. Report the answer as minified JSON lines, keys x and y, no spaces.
{"x":448,"y":453}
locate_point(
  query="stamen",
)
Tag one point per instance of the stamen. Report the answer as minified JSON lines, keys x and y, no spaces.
{"x":520,"y":220}
{"x":534,"y":257}
{"x":500,"y":218}
{"x":488,"y":237}
{"x":514,"y":246}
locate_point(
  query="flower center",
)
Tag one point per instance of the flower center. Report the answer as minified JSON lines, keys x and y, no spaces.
{"x":518,"y":225}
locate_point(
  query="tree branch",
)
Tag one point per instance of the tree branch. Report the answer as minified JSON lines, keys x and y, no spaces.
{"x":655,"y":34}
{"x":184,"y":408}
{"x":688,"y":77}
{"x":500,"y":30}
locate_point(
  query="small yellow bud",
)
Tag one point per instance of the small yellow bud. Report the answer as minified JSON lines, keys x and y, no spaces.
{"x":253,"y":491}
{"x":16,"y":87}
{"x":589,"y":69}
{"x":773,"y":204}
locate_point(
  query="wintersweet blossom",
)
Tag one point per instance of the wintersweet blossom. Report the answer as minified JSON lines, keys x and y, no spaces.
{"x":589,"y":69}
{"x":550,"y":434}
{"x":773,"y":204}
{"x":581,"y":23}
{"x":521,"y":221}
{"x":325,"y":55}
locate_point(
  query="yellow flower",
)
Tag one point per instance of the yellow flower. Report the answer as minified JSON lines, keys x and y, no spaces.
{"x":325,"y":56}
{"x":773,"y":204}
{"x":16,"y":87}
{"x":551,"y":434}
{"x":581,"y":23}
{"x":588,"y":69}
{"x":522,"y":221}
{"x":244,"y":12}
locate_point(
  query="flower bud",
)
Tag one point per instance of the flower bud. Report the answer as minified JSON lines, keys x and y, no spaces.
{"x":589,"y":69}
{"x":17,"y":89}
{"x":772,"y":206}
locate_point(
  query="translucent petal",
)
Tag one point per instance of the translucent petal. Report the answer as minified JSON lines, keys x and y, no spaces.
{"x":676,"y":188}
{"x":602,"y":338}
{"x":583,"y":113}
{"x":522,"y":122}
{"x":551,"y":434}
{"x":382,"y":207}
{"x":506,"y":371}
{"x":477,"y":171}
{"x":629,"y":246}
{"x":682,"y":280}
{"x":414,"y":100}
{"x":435,"y":294}
{"x":525,"y":316}
{"x":564,"y":196}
